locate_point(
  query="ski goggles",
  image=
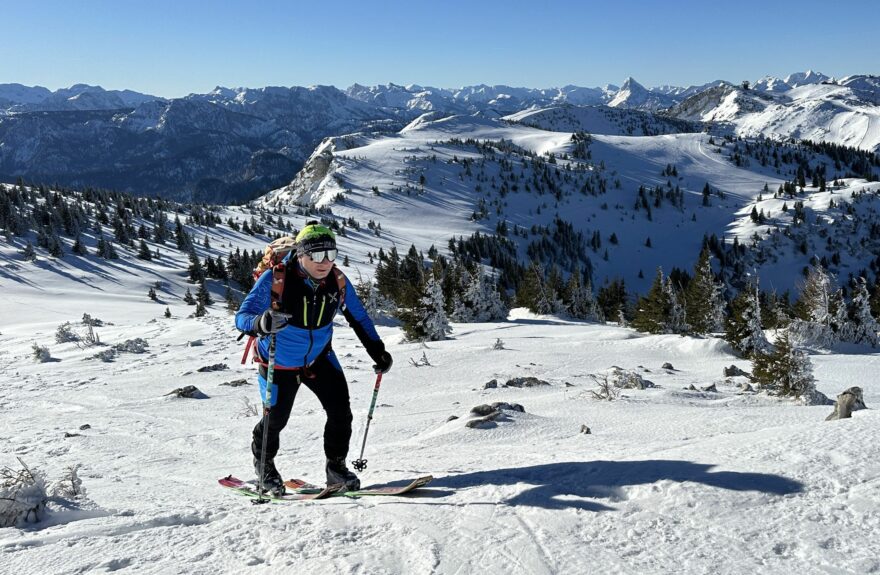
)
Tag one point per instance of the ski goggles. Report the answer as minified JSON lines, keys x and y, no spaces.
{"x":319,"y":256}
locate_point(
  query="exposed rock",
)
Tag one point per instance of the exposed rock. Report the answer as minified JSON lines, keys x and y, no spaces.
{"x":492,"y":384}
{"x":847,"y":402}
{"x":747,"y":387}
{"x":528,"y":381}
{"x":68,"y":434}
{"x":668,"y":365}
{"x":236,"y":382}
{"x":585,"y":430}
{"x":451,"y":418}
{"x":734,"y":371}
{"x":190,"y":391}
{"x":483,"y":409}
{"x":215,"y":367}
{"x":195,"y":343}
{"x":485,"y":422}
{"x":710,"y":388}
{"x":508,"y":406}
{"x":691,"y":387}
{"x":85,"y":426}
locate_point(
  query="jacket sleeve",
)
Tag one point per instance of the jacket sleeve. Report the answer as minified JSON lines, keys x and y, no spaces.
{"x":361,"y":323}
{"x":257,"y":301}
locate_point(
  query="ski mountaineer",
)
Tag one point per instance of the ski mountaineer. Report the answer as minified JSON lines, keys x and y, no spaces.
{"x":313,"y":291}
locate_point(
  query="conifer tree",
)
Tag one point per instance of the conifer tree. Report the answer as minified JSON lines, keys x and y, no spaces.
{"x":188,"y":298}
{"x":785,"y":371}
{"x":579,"y":299}
{"x":866,"y":328}
{"x":704,"y":302}
{"x":427,"y":320}
{"x":28,"y":253}
{"x":653,"y":309}
{"x":203,"y":296}
{"x":744,"y":331}
{"x":144,"y":252}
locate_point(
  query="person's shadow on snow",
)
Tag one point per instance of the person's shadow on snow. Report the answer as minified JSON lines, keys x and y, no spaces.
{"x":557,"y":485}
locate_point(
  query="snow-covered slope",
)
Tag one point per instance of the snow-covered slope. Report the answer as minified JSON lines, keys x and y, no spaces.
{"x":664,"y":479}
{"x":437,"y":179}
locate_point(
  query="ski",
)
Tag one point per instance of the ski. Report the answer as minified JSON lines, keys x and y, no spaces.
{"x":300,"y":486}
{"x":300,"y":493}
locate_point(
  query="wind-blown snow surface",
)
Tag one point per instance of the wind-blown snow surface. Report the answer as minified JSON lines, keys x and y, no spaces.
{"x":668,"y":481}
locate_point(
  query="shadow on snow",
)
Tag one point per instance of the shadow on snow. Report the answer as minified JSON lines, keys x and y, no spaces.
{"x":604,"y":480}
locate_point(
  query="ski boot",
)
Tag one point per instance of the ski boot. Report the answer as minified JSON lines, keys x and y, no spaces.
{"x":272,"y":482}
{"x":337,"y":473}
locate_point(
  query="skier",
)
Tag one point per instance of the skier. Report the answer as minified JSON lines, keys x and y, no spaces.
{"x":312,"y":291}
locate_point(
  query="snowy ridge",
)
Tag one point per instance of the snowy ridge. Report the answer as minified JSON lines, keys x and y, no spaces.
{"x":421,"y":170}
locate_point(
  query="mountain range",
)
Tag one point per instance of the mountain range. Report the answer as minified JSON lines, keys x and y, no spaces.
{"x":233,"y":144}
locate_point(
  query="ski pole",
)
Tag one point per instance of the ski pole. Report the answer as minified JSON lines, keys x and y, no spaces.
{"x":267,"y":406}
{"x":360,"y":464}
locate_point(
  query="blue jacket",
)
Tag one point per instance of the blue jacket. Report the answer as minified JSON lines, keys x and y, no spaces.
{"x":312,"y":306}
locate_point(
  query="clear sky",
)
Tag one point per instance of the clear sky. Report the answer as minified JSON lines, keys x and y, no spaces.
{"x":175,"y":47}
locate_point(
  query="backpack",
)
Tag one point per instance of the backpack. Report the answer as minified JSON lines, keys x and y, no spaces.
{"x":273,"y":259}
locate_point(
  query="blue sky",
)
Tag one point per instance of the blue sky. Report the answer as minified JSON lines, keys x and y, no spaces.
{"x":173,"y":48}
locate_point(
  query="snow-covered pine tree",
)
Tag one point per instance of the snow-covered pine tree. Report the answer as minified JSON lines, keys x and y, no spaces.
{"x":866,"y":328}
{"x":579,"y":298}
{"x":676,"y":321}
{"x":479,"y":301}
{"x":815,"y":311}
{"x":785,"y":371}
{"x":427,"y":320}
{"x":652,"y":310}
{"x":744,"y":331}
{"x":704,"y":300}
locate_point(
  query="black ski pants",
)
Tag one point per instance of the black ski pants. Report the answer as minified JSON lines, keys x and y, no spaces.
{"x":328,"y":383}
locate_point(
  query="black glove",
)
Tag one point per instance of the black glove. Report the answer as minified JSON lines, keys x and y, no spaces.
{"x":271,"y":322}
{"x":383,"y":362}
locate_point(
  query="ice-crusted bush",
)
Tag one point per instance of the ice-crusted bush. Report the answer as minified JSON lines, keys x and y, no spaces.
{"x":22,"y":495}
{"x":65,"y":333}
{"x":40,"y":353}
{"x":70,"y":485}
{"x":626,"y":379}
{"x":137,"y":345}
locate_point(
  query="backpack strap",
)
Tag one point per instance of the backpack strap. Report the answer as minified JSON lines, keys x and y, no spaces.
{"x":279,"y":272}
{"x":341,"y":283}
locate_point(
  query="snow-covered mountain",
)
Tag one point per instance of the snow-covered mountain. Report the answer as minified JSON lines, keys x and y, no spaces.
{"x":233,"y":143}
{"x":444,"y":177}
{"x":18,"y":98}
{"x":633,"y":95}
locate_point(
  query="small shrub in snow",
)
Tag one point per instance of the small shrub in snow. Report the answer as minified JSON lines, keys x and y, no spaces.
{"x":607,"y":391}
{"x":93,"y":321}
{"x":420,"y":362}
{"x":107,"y":356}
{"x":22,"y":496}
{"x":498,"y":344}
{"x":65,"y":333}
{"x":40,"y":353}
{"x":70,"y":486}
{"x":249,"y":408}
{"x":137,"y":345}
